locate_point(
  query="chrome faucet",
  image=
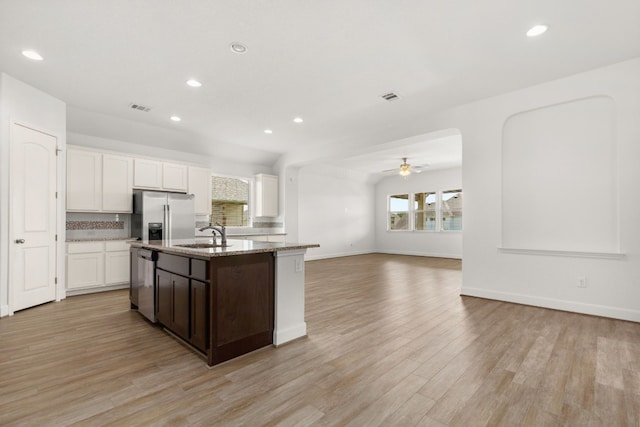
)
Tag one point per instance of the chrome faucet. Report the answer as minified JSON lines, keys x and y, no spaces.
{"x":221,"y":229}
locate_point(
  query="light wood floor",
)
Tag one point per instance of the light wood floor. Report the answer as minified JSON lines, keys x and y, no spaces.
{"x":391,"y":343}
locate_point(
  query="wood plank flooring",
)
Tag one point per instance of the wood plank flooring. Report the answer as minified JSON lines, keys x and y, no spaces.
{"x":391,"y":343}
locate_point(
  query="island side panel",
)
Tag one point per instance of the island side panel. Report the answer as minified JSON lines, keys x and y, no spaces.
{"x":289,"y":304}
{"x":242,"y":301}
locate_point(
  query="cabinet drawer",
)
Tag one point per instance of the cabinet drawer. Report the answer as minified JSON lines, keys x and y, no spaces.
{"x":199,"y":269}
{"x":173,"y":263}
{"x":84,"y":247}
{"x":117,"y":245}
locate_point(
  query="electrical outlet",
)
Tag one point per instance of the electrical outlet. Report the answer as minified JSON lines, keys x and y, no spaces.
{"x":298,"y":265}
{"x":581,"y":282}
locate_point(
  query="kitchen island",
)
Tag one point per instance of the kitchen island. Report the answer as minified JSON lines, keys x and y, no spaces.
{"x":228,"y":301}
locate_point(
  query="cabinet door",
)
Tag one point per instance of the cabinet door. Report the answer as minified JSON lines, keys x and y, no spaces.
{"x":117,"y":183}
{"x":116,"y":267}
{"x":84,"y":180}
{"x":199,"y":315}
{"x":174,"y":177}
{"x":200,"y":186}
{"x":266,"y":195}
{"x":147,"y":174}
{"x":180,"y":318}
{"x":85,"y":270}
{"x":164,"y":297}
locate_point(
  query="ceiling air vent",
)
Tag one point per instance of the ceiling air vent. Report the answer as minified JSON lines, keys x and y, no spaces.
{"x":390,"y":96}
{"x":140,"y":107}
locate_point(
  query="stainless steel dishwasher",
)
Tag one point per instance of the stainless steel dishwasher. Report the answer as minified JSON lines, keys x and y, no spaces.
{"x":145,"y":283}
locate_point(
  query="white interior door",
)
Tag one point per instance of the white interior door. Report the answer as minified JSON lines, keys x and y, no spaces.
{"x":32,"y":257}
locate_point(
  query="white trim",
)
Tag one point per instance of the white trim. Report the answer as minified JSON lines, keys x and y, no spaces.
{"x":309,"y":257}
{"x":4,"y":310}
{"x":96,"y":289}
{"x":577,"y":254}
{"x":416,"y":253}
{"x":556,"y":304}
{"x":282,"y":336}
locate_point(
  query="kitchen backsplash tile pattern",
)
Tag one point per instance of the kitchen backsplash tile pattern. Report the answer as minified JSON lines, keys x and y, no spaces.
{"x":97,"y":225}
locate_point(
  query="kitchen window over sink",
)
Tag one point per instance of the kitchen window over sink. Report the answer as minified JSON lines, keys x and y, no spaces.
{"x":230,"y":201}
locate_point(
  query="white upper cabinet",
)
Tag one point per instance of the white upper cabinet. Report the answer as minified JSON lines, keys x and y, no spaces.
{"x":200,"y":186}
{"x":84,"y":180}
{"x":157,"y":175}
{"x":266,"y":195}
{"x":117,"y":183}
{"x":147,"y":174}
{"x":174,"y":177}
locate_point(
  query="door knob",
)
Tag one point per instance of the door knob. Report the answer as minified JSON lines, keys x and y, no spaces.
{"x":19,"y":241}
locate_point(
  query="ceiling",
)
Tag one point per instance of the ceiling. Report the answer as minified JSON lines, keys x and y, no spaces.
{"x":325,"y":61}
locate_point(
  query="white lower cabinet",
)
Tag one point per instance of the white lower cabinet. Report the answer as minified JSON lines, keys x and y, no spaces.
{"x":95,"y":265}
{"x":85,"y":270}
{"x":117,"y":261}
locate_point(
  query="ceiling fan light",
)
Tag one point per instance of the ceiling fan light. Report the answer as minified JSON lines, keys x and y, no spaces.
{"x":405,"y":169}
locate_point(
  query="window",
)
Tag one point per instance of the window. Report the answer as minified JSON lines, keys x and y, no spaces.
{"x":428,"y":211}
{"x":451,"y":210}
{"x":230,"y":201}
{"x":399,"y":212}
{"x":424,"y":206}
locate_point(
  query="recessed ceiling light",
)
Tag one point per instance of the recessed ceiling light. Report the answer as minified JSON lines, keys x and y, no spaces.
{"x":268,"y":131}
{"x":175,"y":118}
{"x":298,"y":120}
{"x":237,"y":47}
{"x":32,"y":54}
{"x":194,"y":83}
{"x":537,"y":30}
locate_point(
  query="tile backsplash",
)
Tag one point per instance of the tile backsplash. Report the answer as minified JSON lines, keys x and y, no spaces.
{"x":97,"y":225}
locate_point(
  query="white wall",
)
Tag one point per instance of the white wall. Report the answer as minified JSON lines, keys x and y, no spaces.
{"x":425,"y":243}
{"x":20,"y":103}
{"x":548,"y":278}
{"x":335,"y":209}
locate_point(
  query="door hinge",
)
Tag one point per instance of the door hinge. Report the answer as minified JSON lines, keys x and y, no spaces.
{"x":56,"y":194}
{"x":55,"y":281}
{"x":56,"y":237}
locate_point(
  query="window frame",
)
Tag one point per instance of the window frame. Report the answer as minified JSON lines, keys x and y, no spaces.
{"x":411,"y":223}
{"x":416,"y":211}
{"x":408,"y":212}
{"x":250,"y":199}
{"x":442,"y":192}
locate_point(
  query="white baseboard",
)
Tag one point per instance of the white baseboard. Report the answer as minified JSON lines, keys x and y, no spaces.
{"x":416,"y":253}
{"x":281,"y":336}
{"x":556,"y":304}
{"x":311,"y":257}
{"x":82,"y":291}
{"x":4,"y":310}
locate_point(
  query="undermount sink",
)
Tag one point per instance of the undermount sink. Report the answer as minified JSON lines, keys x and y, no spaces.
{"x":203,"y":245}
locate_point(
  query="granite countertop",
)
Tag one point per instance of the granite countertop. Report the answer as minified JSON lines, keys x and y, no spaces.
{"x":98,"y":239}
{"x":236,"y":247}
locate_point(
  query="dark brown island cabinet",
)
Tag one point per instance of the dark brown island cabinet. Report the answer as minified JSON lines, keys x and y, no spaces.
{"x":223,"y":307}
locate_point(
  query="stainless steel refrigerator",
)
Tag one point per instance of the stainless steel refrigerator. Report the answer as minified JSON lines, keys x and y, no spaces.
{"x":162,"y":216}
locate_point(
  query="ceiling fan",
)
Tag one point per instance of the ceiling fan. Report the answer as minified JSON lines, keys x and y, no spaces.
{"x":406,"y":169}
